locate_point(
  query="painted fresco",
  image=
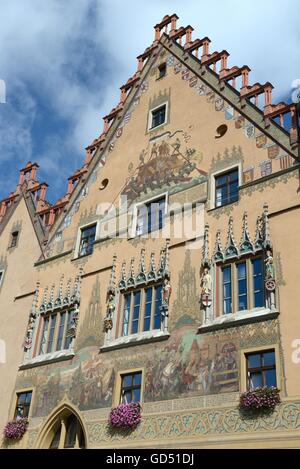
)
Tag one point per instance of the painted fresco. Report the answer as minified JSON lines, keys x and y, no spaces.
{"x":192,"y":365}
{"x":187,"y":364}
{"x":166,"y":161}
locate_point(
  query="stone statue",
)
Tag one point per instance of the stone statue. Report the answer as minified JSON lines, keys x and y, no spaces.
{"x":110,"y":309}
{"x":269,"y":265}
{"x":206,"y":282}
{"x":166,"y":292}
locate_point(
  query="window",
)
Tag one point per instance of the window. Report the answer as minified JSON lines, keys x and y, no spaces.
{"x":23,"y":404}
{"x":87,"y":240}
{"x":1,"y":276}
{"x":14,"y":239}
{"x":150,"y":216}
{"x":131,"y":387}
{"x":67,"y":433}
{"x":226,"y":188}
{"x":158,"y":116}
{"x":56,"y":332}
{"x":258,"y":282}
{"x":242,"y":286}
{"x":227,"y":295}
{"x":141,"y":310}
{"x":162,"y":70}
{"x":261,"y":369}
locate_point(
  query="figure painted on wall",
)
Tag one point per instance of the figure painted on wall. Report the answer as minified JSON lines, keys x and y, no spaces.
{"x":192,"y":366}
{"x":168,"y":162}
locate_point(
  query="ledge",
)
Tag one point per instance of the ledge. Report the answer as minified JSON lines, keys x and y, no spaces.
{"x":135,"y":339}
{"x":48,"y":358}
{"x":238,"y":319}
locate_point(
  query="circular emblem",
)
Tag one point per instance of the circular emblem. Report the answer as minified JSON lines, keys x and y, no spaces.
{"x":206,"y":300}
{"x":270,"y":284}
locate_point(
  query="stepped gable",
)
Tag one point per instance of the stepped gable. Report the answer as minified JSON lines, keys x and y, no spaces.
{"x":278,"y":121}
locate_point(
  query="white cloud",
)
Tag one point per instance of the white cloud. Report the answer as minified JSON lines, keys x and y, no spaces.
{"x":49,"y":45}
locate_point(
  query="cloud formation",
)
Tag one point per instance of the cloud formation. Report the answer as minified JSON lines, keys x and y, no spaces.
{"x":63,"y":62}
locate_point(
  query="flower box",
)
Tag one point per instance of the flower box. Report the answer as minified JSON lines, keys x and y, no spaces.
{"x":15,"y":429}
{"x":125,"y":416}
{"x":259,"y":400}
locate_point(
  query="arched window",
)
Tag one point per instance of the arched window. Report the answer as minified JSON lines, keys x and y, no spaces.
{"x":67,"y":433}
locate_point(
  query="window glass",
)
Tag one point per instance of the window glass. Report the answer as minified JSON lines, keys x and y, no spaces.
{"x":126,"y":315}
{"x":148,"y":308}
{"x":61,"y":331}
{"x":51,"y":332}
{"x":227,"y":299}
{"x":87,"y":240}
{"x":157,"y":311}
{"x":242,"y":286}
{"x":226,"y":187}
{"x":136,"y":311}
{"x":258,"y":282}
{"x":150,"y":216}
{"x":261,"y":368}
{"x":131,"y":387}
{"x":158,"y":116}
{"x":44,"y":335}
{"x":23,"y":404}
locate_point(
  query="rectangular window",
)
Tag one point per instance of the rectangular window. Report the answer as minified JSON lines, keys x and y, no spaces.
{"x":148,"y":308}
{"x":258,"y":282}
{"x":136,"y":312}
{"x":157,"y":311}
{"x":227,"y":293}
{"x":51,"y":332}
{"x":68,"y":336}
{"x":55,"y":333}
{"x":242,"y":286}
{"x":162,"y":70}
{"x":150,"y":216}
{"x":227,"y":188}
{"x":87,"y":240}
{"x":158,"y":116}
{"x":44,"y":336}
{"x":261,"y":369}
{"x":61,"y":330}
{"x":146,"y":317}
{"x":23,"y":404}
{"x":1,"y":276}
{"x":131,"y":387}
{"x":14,"y":239}
{"x":126,"y":315}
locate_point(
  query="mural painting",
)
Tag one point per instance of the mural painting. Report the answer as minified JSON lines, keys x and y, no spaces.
{"x":192,"y":365}
{"x":163,"y":164}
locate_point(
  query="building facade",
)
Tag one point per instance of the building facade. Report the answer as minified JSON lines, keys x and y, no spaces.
{"x":167,"y":274}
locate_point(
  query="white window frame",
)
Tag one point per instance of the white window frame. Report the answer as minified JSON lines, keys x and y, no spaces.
{"x":80,"y":228}
{"x":133,"y":233}
{"x":212,"y":192}
{"x":150,"y":116}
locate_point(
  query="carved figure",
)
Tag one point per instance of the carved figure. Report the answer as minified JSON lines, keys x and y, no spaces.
{"x":206,"y":282}
{"x":269,"y":265}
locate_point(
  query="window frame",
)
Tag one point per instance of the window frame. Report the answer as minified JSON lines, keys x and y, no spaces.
{"x":79,"y":238}
{"x":150,"y":116}
{"x":48,"y":316}
{"x":130,"y":388}
{"x":212,"y":181}
{"x":260,"y":369}
{"x":261,"y":349}
{"x":248,"y":259}
{"x":116,"y":400}
{"x":147,"y":202}
{"x":161,"y":66}
{"x":13,"y":412}
{"x":142,"y":309}
{"x":14,"y":238}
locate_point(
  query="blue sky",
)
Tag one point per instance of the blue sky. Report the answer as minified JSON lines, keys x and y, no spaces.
{"x":63,"y":62}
